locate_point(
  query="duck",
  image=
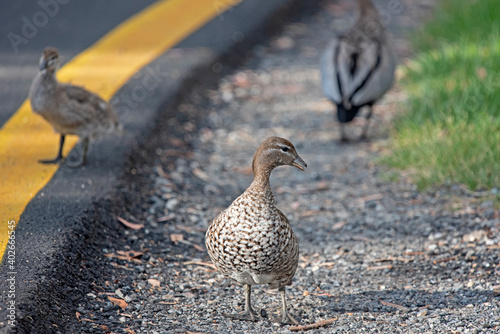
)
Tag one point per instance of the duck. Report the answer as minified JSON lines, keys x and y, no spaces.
{"x":252,"y":241}
{"x":70,"y":109}
{"x":357,"y":67}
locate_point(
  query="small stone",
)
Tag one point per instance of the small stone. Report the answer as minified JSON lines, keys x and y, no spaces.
{"x":119,"y":293}
{"x":422,"y":313}
{"x":172,"y":203}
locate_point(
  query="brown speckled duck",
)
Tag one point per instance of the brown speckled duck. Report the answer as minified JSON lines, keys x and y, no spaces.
{"x":71,"y":110}
{"x":357,"y":68}
{"x":252,"y":241}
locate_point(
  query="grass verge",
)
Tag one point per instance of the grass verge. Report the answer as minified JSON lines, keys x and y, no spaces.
{"x":450,"y":131}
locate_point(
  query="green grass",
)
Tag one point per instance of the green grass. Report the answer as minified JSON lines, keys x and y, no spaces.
{"x":450,"y":129}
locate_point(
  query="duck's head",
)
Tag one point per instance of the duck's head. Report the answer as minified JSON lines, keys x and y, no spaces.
{"x":49,"y":60}
{"x":274,"y":152}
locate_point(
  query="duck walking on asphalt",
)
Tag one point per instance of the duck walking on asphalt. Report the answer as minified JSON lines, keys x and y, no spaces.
{"x":357,"y":68}
{"x":252,"y":241}
{"x":71,"y":110}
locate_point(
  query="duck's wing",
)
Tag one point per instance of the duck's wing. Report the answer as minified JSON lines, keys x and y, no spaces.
{"x":79,"y":95}
{"x":87,"y":107}
{"x":356,"y":67}
{"x":328,"y":68}
{"x":289,"y":249}
{"x":381,"y":76}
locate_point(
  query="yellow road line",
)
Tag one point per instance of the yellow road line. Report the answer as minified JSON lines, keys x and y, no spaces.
{"x":103,"y":68}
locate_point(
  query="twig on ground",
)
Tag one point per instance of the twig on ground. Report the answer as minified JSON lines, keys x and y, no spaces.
{"x":318,"y":324}
{"x":445,"y":260}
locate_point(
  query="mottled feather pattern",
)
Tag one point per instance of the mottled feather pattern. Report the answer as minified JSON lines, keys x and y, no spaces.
{"x":253,"y":235}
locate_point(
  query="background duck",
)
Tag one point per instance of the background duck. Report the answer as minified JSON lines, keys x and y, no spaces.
{"x":357,"y":68}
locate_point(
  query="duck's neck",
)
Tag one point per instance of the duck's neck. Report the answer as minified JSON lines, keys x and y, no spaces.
{"x":48,"y":77}
{"x":366,"y":8}
{"x":261,"y":185}
{"x":369,"y":23}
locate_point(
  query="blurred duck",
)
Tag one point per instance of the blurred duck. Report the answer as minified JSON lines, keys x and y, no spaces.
{"x":71,"y":110}
{"x":357,"y":68}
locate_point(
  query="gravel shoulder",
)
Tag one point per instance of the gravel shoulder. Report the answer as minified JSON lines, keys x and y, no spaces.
{"x":377,"y":255}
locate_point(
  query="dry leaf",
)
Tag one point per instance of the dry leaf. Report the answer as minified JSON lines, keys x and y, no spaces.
{"x":128,"y":255}
{"x":177,"y":142}
{"x":189,"y":295}
{"x":198,"y":247}
{"x":89,"y":320}
{"x":413,"y":253}
{"x":208,"y":264}
{"x":118,"y":302}
{"x":387,"y":266}
{"x":474,"y":236}
{"x":327,"y":264}
{"x":165,"y":218}
{"x":338,"y":226}
{"x":129,"y":331}
{"x":129,"y":224}
{"x":401,"y":307}
{"x":201,"y":174}
{"x":309,"y":213}
{"x":318,"y":324}
{"x":371,"y":198}
{"x":445,"y":260}
{"x":154,"y":282}
{"x":175,"y":238}
{"x":78,"y":315}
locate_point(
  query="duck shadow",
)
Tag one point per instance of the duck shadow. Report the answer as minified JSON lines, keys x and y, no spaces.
{"x":406,"y":300}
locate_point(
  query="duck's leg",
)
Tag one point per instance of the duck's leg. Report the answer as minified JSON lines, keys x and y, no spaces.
{"x":343,"y":136}
{"x":286,"y":318}
{"x":248,"y":314}
{"x":364,"y":134}
{"x":59,"y":155}
{"x":83,"y":161}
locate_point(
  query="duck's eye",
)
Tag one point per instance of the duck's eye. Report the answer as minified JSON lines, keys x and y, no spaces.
{"x":284,"y":149}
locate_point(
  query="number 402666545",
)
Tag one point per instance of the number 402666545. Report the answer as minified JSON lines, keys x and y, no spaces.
{"x":11,"y":246}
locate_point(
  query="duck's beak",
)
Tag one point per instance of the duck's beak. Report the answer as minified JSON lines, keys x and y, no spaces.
{"x":299,"y":163}
{"x":43,"y":65}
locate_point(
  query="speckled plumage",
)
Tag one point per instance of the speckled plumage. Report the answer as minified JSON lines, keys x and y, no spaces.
{"x":252,"y":241}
